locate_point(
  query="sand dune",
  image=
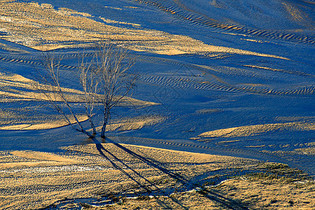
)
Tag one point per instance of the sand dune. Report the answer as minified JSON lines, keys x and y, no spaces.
{"x":133,"y":123}
{"x":218,"y":84}
{"x":229,"y":77}
{"x":11,"y":121}
{"x":237,"y":15}
{"x":41,"y":125}
{"x":38,"y":26}
{"x":13,"y":83}
{"x":18,"y":88}
{"x":253,"y":130}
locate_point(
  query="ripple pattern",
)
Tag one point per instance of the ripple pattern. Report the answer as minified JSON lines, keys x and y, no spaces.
{"x":178,"y":10}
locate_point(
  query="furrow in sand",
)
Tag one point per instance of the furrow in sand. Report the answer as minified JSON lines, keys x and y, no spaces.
{"x":182,"y":82}
{"x":178,"y":82}
{"x":9,"y":59}
{"x":216,"y":84}
{"x":181,"y":12}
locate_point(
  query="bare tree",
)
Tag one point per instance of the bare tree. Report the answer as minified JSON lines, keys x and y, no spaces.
{"x":104,"y":79}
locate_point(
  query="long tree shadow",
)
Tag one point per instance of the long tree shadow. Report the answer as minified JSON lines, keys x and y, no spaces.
{"x":151,"y":188}
{"x":188,"y":184}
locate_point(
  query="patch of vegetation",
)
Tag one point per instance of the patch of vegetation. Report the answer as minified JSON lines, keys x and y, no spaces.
{"x":273,"y":166}
{"x":161,"y":180}
{"x":280,"y":173}
{"x":281,"y":170}
{"x":85,"y":205}
{"x":143,"y":197}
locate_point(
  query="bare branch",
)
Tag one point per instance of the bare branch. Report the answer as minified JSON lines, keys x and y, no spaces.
{"x":104,"y":79}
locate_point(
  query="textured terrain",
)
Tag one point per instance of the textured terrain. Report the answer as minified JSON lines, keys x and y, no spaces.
{"x":215,"y":77}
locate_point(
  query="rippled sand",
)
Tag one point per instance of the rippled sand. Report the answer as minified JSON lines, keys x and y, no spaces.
{"x":214,"y":77}
{"x":38,"y":25}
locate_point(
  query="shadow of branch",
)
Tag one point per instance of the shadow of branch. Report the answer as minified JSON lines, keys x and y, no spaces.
{"x":210,"y":194}
{"x":148,"y":188}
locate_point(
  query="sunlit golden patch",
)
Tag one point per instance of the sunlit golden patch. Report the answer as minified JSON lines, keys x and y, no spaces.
{"x":253,"y":130}
{"x":42,"y":27}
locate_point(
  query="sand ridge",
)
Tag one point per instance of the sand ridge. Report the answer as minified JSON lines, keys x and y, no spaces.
{"x":18,"y":88}
{"x":229,"y":78}
{"x":44,"y":28}
{"x":34,"y":91}
{"x":253,"y":130}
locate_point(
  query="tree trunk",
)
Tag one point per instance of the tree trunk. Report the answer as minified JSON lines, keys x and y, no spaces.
{"x":105,"y":122}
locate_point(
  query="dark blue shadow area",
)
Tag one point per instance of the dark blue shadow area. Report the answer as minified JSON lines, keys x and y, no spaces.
{"x":45,"y":140}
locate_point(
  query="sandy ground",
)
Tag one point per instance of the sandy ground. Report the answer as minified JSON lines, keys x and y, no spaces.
{"x":219,"y":77}
{"x":127,"y":175}
{"x":257,"y":129}
{"x":261,"y":193}
{"x":39,"y":25}
{"x":18,"y":88}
